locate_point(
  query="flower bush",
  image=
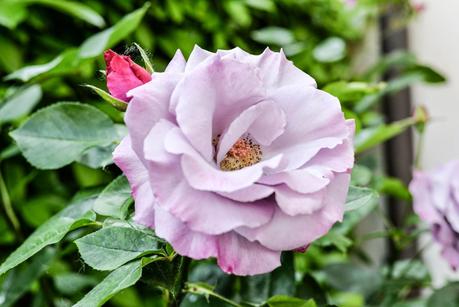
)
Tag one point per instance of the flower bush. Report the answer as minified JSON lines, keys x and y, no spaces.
{"x":249,"y":176}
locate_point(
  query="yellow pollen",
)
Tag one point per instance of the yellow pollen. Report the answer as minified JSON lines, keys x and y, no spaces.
{"x":242,"y":154}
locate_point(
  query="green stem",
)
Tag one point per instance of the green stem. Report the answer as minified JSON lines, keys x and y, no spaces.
{"x":182,"y":278}
{"x":200,"y":290}
{"x":8,"y":206}
{"x":420,"y":145}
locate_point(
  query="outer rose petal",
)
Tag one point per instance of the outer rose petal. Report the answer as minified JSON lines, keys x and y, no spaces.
{"x":236,"y":255}
{"x":249,"y":194}
{"x":197,"y":56}
{"x":137,"y":175}
{"x":285,"y":232}
{"x":177,"y":64}
{"x":307,"y":132}
{"x":294,"y":203}
{"x":149,"y":104}
{"x":185,"y":241}
{"x":123,"y":74}
{"x":275,"y":69}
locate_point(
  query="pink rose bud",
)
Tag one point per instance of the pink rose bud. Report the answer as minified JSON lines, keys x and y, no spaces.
{"x":123,"y":74}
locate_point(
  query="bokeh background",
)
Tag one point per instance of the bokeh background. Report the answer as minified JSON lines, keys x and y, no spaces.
{"x":366,"y":52}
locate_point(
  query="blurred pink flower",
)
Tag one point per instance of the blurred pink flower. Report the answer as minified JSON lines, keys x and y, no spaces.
{"x":123,"y":74}
{"x":351,"y":3}
{"x":236,"y":156}
{"x":436,"y":201}
{"x":418,"y":7}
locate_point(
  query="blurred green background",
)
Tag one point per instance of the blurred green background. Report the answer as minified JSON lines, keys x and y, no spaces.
{"x":50,"y":48}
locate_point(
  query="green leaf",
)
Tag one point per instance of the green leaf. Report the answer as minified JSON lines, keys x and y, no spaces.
{"x":360,"y":201}
{"x":288,"y":301}
{"x":115,"y":199}
{"x":69,"y":128}
{"x":281,"y":281}
{"x":361,"y":175}
{"x":352,"y":91}
{"x":20,"y":103}
{"x":358,"y":197}
{"x":118,"y":104}
{"x":353,"y":278}
{"x":96,"y":44}
{"x":336,"y":239}
{"x":70,"y":60}
{"x":72,"y":8}
{"x":12,"y":54}
{"x":66,"y":61}
{"x":109,"y":248}
{"x":77,"y":214}
{"x":264,"y":5}
{"x":12,"y":13}
{"x":448,"y":296}
{"x":393,"y":187}
{"x":145,"y":58}
{"x":427,"y":73}
{"x":273,"y":35}
{"x":238,"y":12}
{"x":122,"y":278}
{"x":309,"y":288}
{"x":98,"y":156}
{"x":331,"y":50}
{"x":20,"y":280}
{"x":70,"y":283}
{"x":371,"y":137}
{"x":396,"y":58}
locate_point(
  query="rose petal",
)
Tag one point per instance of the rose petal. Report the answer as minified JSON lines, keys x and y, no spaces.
{"x":123,"y":74}
{"x":211,"y":96}
{"x":137,"y":175}
{"x":285,"y":232}
{"x":264,"y":122}
{"x":307,"y":180}
{"x":197,"y":56}
{"x":205,"y":212}
{"x":149,"y":104}
{"x":201,"y":175}
{"x":237,"y":255}
{"x":294,"y":203}
{"x":249,"y":194}
{"x":185,"y":241}
{"x":315,"y":121}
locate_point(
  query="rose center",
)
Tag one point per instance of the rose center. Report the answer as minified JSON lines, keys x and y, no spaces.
{"x":243,"y":153}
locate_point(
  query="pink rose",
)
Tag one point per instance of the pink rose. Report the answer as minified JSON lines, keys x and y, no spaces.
{"x":236,"y":156}
{"x":123,"y":74}
{"x":436,"y":201}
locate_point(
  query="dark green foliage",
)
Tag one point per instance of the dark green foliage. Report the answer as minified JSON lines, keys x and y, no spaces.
{"x":51,"y":49}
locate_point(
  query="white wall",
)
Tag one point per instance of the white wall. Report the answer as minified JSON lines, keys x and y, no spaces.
{"x":434,"y":38}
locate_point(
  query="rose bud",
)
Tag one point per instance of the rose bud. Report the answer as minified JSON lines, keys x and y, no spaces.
{"x":123,"y":74}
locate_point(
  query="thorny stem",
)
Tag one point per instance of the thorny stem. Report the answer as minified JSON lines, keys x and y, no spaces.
{"x":6,"y":200}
